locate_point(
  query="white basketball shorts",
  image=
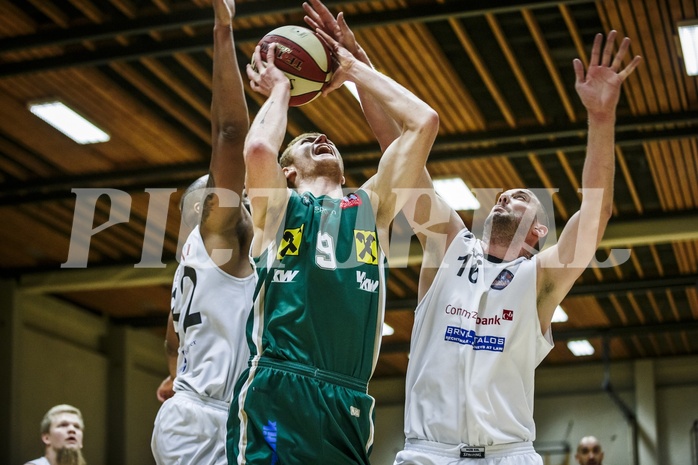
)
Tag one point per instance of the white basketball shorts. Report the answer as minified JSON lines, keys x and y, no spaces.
{"x":190,"y":430}
{"x":419,"y":452}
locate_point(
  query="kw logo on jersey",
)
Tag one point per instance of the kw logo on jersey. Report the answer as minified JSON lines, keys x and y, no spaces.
{"x":366,"y":247}
{"x":366,"y":284}
{"x":290,"y":242}
{"x":284,"y":276}
{"x":470,"y":338}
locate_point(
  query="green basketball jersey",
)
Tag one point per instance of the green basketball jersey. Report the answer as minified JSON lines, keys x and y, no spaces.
{"x":320,"y":297}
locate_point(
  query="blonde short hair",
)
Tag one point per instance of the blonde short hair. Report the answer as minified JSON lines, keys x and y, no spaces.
{"x":55,"y":411}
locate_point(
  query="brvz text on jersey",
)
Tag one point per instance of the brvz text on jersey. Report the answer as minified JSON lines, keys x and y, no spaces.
{"x":469,"y":337}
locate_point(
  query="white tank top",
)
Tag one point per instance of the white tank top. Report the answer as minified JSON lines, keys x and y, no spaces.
{"x":39,"y":461}
{"x":210,"y":308}
{"x":476,"y":342}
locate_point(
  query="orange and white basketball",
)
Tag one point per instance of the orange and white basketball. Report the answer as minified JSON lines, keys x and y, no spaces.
{"x":303,"y":57}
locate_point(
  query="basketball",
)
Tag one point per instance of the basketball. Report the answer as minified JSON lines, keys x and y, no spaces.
{"x":303,"y":57}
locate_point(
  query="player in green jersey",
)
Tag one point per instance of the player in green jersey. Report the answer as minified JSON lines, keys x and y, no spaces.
{"x":315,"y":327}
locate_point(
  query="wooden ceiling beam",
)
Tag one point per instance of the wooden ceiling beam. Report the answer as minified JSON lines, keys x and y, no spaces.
{"x":641,"y":232}
{"x":512,"y":143}
{"x":52,"y":11}
{"x":513,"y":61}
{"x":485,"y":74}
{"x":547,"y":57}
{"x":144,"y":25}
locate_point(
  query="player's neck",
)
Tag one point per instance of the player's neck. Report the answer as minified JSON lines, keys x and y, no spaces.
{"x":504,"y":250}
{"x":319,"y":186}
{"x":50,"y":455}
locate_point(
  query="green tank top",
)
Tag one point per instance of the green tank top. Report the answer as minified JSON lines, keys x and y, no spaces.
{"x":320,"y":296}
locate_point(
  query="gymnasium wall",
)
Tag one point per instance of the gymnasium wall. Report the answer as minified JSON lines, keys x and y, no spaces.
{"x":110,"y":372}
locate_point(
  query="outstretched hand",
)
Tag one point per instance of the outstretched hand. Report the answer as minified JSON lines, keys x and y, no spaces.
{"x":344,"y":60}
{"x":599,"y":88}
{"x":264,"y":75}
{"x":318,"y":16}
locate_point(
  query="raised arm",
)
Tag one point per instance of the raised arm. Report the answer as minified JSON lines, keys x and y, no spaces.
{"x":599,"y":90}
{"x":229,"y":124}
{"x":435,"y":224}
{"x":265,"y":181}
{"x":318,"y":16}
{"x":404,"y":160}
{"x":433,"y":221}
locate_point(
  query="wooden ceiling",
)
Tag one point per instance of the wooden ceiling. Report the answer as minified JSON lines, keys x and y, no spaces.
{"x":500,"y":77}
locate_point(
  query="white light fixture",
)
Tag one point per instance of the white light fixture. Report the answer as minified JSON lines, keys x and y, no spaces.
{"x":688,"y":35}
{"x":559,"y":316}
{"x":66,"y":120}
{"x":580,"y":348}
{"x":388,"y":330}
{"x":352,"y":88}
{"x":456,"y":193}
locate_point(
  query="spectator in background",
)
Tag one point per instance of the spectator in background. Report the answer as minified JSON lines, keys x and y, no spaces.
{"x":61,"y":433}
{"x":589,"y":451}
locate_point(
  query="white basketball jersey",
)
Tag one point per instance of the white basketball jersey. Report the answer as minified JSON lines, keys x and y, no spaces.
{"x":39,"y":461}
{"x":475,"y":345}
{"x":210,"y":308}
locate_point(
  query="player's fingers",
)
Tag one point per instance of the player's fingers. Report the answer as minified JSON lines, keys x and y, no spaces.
{"x":310,"y":22}
{"x":622,"y":50}
{"x":255,"y":87}
{"x":324,"y":15}
{"x":271,"y":53}
{"x":578,"y":70}
{"x":311,"y":13}
{"x":344,"y":27}
{"x":251,"y":73}
{"x":596,"y":50}
{"x":608,"y":49}
{"x":631,"y":67}
{"x":329,"y":41}
{"x":257,"y":58}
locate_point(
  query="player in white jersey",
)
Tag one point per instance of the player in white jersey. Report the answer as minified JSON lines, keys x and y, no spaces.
{"x":483,"y":321}
{"x":214,"y":283}
{"x":208,"y":306}
{"x":480,"y":313}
